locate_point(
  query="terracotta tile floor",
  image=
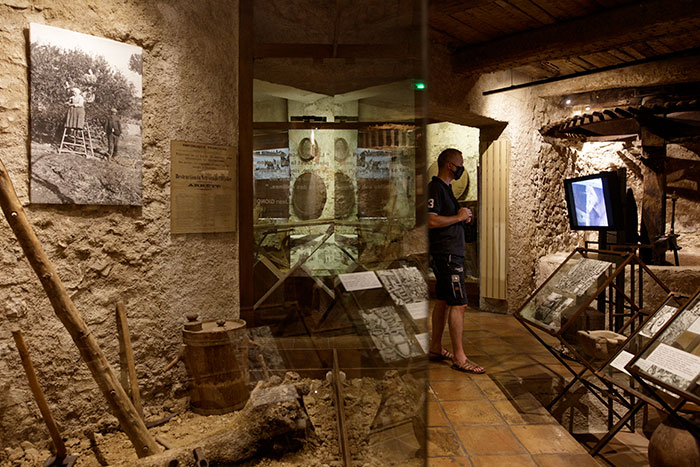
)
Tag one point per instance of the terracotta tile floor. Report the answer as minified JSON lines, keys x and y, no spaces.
{"x":495,"y":419}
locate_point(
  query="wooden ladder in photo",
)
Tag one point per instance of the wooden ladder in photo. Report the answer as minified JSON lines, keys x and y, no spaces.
{"x":79,"y":141}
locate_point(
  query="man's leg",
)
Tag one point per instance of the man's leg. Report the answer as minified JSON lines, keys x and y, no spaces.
{"x":110,"y":145}
{"x":456,"y":323}
{"x":438,"y":322}
{"x":116,"y":146}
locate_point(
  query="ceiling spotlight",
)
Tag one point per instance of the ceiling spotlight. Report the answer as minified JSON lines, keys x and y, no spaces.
{"x":588,"y":107}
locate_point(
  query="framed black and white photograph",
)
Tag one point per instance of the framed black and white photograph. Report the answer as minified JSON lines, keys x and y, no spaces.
{"x":85,"y":118}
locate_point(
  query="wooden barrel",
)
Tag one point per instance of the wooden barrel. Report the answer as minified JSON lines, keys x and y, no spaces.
{"x":216,"y":357}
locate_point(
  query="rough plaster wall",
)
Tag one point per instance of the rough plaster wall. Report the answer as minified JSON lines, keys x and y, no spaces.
{"x":443,"y":135}
{"x":103,"y":254}
{"x":537,"y":224}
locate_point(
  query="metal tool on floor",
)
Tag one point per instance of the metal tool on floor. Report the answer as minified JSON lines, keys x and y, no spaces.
{"x":62,"y":458}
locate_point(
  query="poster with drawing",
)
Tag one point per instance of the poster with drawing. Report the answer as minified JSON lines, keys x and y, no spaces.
{"x":550,"y":310}
{"x":271,"y":173}
{"x":389,"y":334}
{"x":374,"y":186}
{"x":405,"y":285}
{"x":657,"y":321}
{"x":673,"y":356}
{"x":583,"y":276}
{"x":85,"y":108}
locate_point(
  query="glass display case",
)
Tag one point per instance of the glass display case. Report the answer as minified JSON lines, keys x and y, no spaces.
{"x":614,"y":369}
{"x":670,"y":359}
{"x":594,"y":305}
{"x":592,"y":291}
{"x":338,"y":161}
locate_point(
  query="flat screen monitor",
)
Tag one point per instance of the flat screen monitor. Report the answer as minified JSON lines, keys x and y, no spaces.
{"x":594,"y":202}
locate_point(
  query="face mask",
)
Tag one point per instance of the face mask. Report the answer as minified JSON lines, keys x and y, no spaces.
{"x":458,"y":172}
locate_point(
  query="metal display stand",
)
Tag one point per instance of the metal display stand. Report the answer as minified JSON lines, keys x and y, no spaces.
{"x":613,"y":371}
{"x":592,"y":290}
{"x":668,"y":365}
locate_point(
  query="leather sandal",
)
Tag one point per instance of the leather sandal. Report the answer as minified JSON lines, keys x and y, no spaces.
{"x":438,"y":357}
{"x":468,"y":366}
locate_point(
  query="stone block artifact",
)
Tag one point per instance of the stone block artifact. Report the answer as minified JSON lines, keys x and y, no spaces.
{"x":65,"y":310}
{"x":61,"y":458}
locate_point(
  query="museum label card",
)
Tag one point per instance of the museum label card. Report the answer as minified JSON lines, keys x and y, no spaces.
{"x":621,"y":361}
{"x":695,"y":327}
{"x":202,"y":188}
{"x":678,"y":362}
{"x":360,"y":281}
{"x":424,"y":341}
{"x":418,"y":310}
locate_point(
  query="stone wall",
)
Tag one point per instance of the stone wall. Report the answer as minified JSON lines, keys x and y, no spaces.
{"x":538,"y":222}
{"x":104,"y":254}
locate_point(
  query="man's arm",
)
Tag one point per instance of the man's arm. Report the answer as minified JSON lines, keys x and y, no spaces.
{"x":435,"y":221}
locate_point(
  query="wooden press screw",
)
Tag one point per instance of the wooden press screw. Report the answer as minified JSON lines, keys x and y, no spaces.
{"x":192,"y":316}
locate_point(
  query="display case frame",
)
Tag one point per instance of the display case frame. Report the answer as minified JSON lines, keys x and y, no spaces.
{"x":622,"y":312}
{"x":677,"y":327}
{"x":637,"y":397}
{"x":348,"y":343}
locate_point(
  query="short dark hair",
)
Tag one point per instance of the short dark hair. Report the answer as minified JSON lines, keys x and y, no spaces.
{"x":446,"y":155}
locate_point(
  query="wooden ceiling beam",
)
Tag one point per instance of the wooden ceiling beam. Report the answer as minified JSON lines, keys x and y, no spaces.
{"x":580,"y":36}
{"x":455,"y":6}
{"x":321,"y":51}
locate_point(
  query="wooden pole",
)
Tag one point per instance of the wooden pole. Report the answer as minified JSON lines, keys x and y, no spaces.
{"x":39,"y":395}
{"x":125,"y":344}
{"x":65,"y":310}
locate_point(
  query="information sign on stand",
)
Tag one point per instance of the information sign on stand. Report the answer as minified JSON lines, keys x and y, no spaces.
{"x":670,"y":360}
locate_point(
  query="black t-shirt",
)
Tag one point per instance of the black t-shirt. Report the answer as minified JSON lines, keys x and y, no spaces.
{"x":441,"y":201}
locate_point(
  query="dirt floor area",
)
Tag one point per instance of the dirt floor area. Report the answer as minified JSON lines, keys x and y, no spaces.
{"x":374,"y":409}
{"x":70,"y":178}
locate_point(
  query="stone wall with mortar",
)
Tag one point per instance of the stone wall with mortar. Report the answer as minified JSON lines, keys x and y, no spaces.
{"x":538,"y":224}
{"x":105,"y":254}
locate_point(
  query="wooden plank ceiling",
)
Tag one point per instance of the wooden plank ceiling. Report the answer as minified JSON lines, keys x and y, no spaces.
{"x":548,"y":38}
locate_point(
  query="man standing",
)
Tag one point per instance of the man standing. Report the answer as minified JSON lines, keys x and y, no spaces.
{"x":446,"y":236}
{"x":113,"y":128}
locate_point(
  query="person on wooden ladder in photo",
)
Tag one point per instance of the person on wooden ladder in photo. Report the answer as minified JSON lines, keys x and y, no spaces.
{"x":446,"y":220}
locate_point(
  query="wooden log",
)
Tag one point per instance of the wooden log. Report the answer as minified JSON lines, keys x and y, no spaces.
{"x":38,"y":394}
{"x":272,"y":413}
{"x":125,"y":346}
{"x":73,"y":321}
{"x":654,"y":197}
